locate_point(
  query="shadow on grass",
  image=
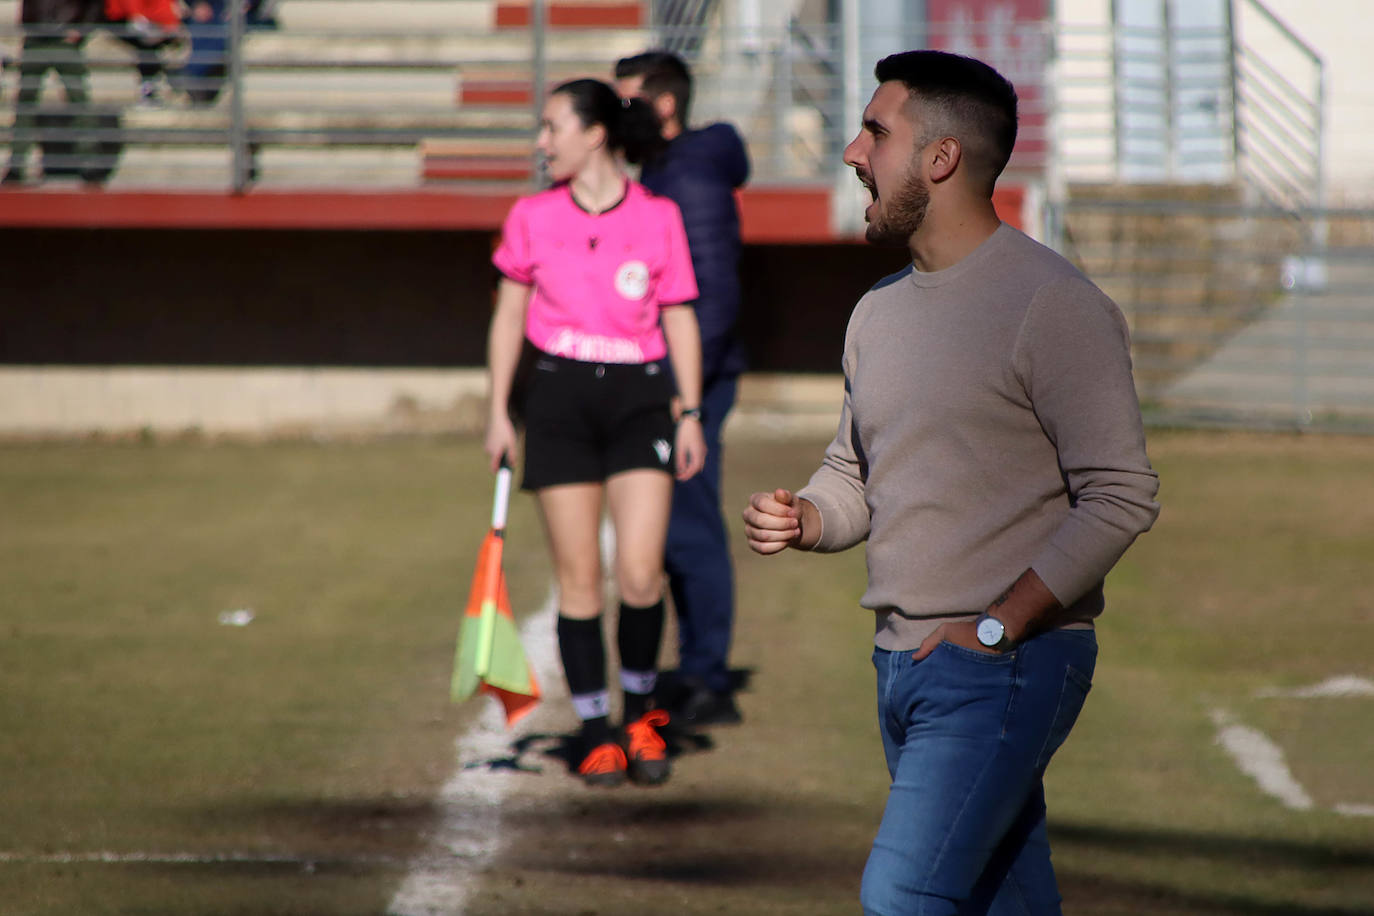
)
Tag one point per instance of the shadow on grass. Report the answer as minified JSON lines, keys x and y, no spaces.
{"x":765,"y":847}
{"x":1319,"y":864}
{"x":1252,"y":851}
{"x":565,"y":749}
{"x":525,"y":752}
{"x":810,"y":845}
{"x":1110,"y":897}
{"x":724,"y":843}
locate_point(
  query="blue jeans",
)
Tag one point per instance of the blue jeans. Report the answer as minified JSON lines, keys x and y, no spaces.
{"x":967,"y":737}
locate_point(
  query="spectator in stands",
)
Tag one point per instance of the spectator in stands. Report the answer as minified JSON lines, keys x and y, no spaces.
{"x":699,"y":170}
{"x":261,"y":14}
{"x":202,"y":76}
{"x":54,"y":33}
{"x":596,"y":292}
{"x":148,"y":26}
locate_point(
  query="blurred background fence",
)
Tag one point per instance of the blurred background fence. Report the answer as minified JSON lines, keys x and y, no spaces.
{"x":1176,"y":150}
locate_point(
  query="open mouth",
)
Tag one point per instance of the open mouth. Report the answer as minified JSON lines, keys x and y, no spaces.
{"x":872,"y":190}
{"x":869,"y":186}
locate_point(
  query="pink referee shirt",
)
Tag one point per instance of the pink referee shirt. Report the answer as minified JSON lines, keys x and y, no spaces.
{"x":599,"y":281}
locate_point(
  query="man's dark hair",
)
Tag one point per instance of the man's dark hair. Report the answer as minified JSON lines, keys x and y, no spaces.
{"x":964,"y":98}
{"x":663,"y":71}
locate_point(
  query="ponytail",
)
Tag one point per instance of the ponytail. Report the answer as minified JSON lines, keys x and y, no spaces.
{"x":632,"y":125}
{"x":639,"y":133}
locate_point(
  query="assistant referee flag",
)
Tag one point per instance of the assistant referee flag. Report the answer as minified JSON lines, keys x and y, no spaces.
{"x":489,"y":653}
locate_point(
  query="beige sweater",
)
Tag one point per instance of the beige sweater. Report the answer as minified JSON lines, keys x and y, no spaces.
{"x":990,"y":425}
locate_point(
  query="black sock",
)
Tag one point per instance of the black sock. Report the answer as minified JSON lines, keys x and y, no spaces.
{"x":638,"y":637}
{"x":584,"y":665}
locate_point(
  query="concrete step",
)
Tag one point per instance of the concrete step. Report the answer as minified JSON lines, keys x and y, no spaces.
{"x":388,"y":15}
{"x":466,"y":160}
{"x":442,"y":48}
{"x":439,"y":47}
{"x":209,"y":168}
{"x":386,"y":128}
{"x":584,"y":14}
{"x":184,"y":126}
{"x":452,"y":14}
{"x":514,"y":85}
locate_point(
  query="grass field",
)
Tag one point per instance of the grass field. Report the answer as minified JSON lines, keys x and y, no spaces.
{"x":156,"y":761}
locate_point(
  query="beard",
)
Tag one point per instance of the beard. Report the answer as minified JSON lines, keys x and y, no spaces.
{"x":903,"y":215}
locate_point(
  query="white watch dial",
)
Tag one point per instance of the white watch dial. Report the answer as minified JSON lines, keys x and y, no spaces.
{"x":990,"y":631}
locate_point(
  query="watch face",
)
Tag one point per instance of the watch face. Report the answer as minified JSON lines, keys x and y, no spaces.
{"x":990,"y":631}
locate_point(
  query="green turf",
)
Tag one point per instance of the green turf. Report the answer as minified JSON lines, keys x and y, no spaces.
{"x":1250,"y":579}
{"x":132,"y":721}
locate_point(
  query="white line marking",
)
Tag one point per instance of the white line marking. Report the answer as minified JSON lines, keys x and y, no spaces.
{"x":186,"y":858}
{"x":469,"y":835}
{"x":1260,"y":759}
{"x":1354,"y":810}
{"x":469,"y":832}
{"x":1346,"y":685}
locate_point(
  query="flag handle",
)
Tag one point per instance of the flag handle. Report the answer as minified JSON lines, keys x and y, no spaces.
{"x":492,"y":575}
{"x":502,"y":499}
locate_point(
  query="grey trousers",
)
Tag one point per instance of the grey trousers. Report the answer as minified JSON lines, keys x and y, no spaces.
{"x":41,"y":54}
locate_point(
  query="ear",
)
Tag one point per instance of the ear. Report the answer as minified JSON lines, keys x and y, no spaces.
{"x":943,"y":157}
{"x":665,"y":106}
{"x":599,"y":135}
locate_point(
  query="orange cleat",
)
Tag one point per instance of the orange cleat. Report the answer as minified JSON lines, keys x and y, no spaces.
{"x":604,"y":766}
{"x":646,"y":750}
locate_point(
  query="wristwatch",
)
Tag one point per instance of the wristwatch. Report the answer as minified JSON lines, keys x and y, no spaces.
{"x":992,"y":633}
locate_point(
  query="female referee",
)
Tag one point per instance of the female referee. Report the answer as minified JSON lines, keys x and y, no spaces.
{"x":593,"y":309}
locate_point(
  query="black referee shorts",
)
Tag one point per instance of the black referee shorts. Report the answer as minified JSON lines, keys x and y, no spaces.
{"x":586,"y":421}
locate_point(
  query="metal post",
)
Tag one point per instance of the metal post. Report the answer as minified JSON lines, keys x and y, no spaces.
{"x":1233,"y":52}
{"x":1171,"y":137}
{"x":847,"y":214}
{"x":1320,"y":227}
{"x":1302,"y":406}
{"x":853,"y":101}
{"x":238,"y":125}
{"x":539,"y":24}
{"x":782,"y":98}
{"x":1118,"y":96}
{"x":1055,"y":179}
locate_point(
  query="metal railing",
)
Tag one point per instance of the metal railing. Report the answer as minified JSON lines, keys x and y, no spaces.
{"x":1280,"y":109}
{"x":346,"y":102}
{"x":1241,"y":102}
{"x":681,"y":25}
{"x":353,"y":102}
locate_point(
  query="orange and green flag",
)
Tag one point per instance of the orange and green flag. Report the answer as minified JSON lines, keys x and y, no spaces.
{"x":489,"y":654}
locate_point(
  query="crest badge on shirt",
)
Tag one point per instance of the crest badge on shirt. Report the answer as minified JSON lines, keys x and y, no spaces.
{"x":632,"y":279}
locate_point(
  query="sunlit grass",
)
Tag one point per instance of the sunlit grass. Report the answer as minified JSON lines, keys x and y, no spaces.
{"x":133,"y":721}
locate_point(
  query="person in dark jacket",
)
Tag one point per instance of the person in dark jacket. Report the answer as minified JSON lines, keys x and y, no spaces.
{"x":700,"y":170}
{"x":203,"y":75}
{"x":54,"y":33}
